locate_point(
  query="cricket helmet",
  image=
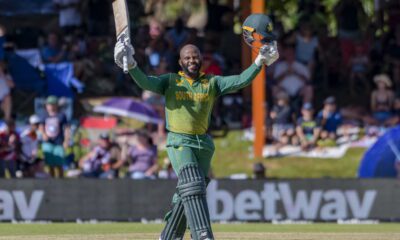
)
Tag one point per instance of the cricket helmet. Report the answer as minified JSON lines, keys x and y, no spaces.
{"x":258,"y":27}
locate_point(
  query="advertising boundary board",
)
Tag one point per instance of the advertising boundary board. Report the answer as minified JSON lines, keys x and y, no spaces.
{"x":228,"y":200}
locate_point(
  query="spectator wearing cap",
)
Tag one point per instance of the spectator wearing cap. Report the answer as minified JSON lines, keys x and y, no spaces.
{"x":30,"y":146}
{"x":282,"y":119}
{"x":9,"y":150}
{"x":382,"y":100}
{"x":142,"y":157}
{"x":329,"y":117}
{"x":55,"y":133}
{"x":98,"y":163}
{"x":307,"y":129}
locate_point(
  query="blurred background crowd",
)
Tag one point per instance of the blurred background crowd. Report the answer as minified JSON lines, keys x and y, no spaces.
{"x":337,"y":81}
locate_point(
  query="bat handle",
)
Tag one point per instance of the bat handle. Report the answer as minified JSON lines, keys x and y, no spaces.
{"x":125,"y":63}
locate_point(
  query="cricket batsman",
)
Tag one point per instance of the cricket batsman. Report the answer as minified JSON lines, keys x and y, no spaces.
{"x":189,"y":97}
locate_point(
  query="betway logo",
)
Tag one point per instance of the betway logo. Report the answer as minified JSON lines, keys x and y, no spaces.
{"x":302,"y":204}
{"x":13,"y":201}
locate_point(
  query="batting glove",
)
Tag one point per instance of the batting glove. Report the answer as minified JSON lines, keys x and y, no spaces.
{"x":122,"y":49}
{"x":267,"y":55}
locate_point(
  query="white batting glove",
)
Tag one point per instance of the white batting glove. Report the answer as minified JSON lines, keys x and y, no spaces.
{"x":267,"y":55}
{"x":122,"y":49}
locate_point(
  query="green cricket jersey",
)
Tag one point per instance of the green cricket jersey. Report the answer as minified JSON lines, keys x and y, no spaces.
{"x":189,"y":102}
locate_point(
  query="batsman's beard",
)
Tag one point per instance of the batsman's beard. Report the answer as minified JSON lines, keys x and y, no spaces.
{"x":192,"y":69}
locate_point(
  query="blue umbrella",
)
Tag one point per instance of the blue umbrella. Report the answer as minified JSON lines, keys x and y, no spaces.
{"x":380,"y":159}
{"x":126,"y":107}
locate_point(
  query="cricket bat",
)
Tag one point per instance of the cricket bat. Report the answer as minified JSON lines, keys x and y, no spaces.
{"x":122,"y":29}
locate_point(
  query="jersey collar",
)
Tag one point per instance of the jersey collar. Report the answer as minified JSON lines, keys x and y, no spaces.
{"x":189,"y":79}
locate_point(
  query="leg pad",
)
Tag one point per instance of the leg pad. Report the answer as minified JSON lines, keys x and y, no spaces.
{"x":192,"y":190}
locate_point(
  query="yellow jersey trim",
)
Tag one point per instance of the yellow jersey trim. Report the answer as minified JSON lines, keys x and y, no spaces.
{"x":189,"y":79}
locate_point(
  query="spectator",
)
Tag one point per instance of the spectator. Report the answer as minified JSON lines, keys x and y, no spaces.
{"x":54,"y":51}
{"x":329,"y":119}
{"x":329,"y":59}
{"x":9,"y":150}
{"x":382,"y":100}
{"x":306,"y":44}
{"x":282,"y":119}
{"x":55,"y":133}
{"x":210,"y":65}
{"x":98,"y":163}
{"x":307,"y":129}
{"x":69,"y":14}
{"x":30,"y":146}
{"x":177,"y":36}
{"x":157,"y":52}
{"x":6,"y":84}
{"x":259,"y":171}
{"x":143,"y":157}
{"x":350,"y":16}
{"x":293,"y":77}
{"x":359,"y":69}
{"x":38,"y":169}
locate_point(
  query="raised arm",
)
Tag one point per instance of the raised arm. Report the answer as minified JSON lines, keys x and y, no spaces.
{"x":151,"y":83}
{"x":267,"y":55}
{"x":235,"y":82}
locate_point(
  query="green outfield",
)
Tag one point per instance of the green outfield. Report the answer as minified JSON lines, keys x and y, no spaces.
{"x":132,"y":231}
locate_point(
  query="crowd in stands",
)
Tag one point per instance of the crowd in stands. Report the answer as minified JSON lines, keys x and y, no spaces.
{"x":323,"y":83}
{"x":358,"y":68}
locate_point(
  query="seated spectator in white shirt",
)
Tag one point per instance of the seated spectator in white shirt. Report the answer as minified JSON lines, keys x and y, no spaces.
{"x":293,"y":77}
{"x":30,"y":146}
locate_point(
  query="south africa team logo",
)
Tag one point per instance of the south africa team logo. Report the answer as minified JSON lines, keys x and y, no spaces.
{"x":179,"y":82}
{"x":204,"y":82}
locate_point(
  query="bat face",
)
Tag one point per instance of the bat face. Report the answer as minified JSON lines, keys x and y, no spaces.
{"x":121,"y":17}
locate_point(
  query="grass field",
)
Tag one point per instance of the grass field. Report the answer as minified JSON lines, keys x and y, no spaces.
{"x":133,"y":231}
{"x":232,"y":155}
